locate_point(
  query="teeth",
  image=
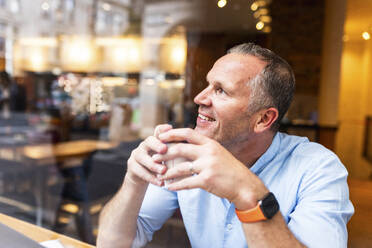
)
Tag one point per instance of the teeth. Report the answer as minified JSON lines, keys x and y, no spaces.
{"x":205,"y":118}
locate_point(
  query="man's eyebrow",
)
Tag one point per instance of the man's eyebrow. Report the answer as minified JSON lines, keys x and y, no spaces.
{"x":216,"y":83}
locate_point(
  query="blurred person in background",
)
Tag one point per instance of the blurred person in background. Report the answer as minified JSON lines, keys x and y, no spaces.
{"x":12,"y":96}
{"x":5,"y":87}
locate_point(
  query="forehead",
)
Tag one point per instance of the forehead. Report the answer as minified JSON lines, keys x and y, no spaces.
{"x":235,"y":67}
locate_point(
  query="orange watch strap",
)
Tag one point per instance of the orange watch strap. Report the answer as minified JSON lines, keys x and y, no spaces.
{"x":251,"y":215}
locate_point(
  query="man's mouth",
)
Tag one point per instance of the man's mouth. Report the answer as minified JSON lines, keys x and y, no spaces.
{"x":206,"y":118}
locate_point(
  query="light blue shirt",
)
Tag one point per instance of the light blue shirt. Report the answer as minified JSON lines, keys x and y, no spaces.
{"x":308,"y":180}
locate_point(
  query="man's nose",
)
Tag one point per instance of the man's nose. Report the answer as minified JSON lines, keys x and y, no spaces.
{"x":203,"y":98}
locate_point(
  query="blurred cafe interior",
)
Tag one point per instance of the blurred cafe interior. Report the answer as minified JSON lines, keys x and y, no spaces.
{"x":82,"y":82}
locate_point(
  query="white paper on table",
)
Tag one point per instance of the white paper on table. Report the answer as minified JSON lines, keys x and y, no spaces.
{"x":52,"y":244}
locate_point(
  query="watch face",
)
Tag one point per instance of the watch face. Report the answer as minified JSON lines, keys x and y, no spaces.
{"x":269,"y":206}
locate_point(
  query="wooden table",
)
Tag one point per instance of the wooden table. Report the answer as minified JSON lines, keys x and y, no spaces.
{"x":47,"y":153}
{"x":62,"y":151}
{"x":40,"y":234}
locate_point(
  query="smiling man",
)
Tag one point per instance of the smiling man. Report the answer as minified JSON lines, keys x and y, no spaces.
{"x":244,"y":184}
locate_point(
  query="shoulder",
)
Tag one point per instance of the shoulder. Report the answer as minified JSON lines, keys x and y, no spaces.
{"x":301,"y":149}
{"x":311,"y":162}
{"x":320,"y":169}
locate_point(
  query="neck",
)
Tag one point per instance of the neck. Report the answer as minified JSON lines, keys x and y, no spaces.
{"x":250,"y":150}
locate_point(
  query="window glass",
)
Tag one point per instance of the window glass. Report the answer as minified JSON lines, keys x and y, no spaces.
{"x":82,"y":83}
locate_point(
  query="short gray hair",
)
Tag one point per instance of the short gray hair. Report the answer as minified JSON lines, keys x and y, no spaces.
{"x":274,"y":86}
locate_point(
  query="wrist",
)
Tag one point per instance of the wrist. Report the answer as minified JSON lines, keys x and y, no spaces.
{"x":131,"y":180}
{"x":264,"y":210}
{"x":249,"y":199}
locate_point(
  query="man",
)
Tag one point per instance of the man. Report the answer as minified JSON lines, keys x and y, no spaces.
{"x":236,"y":157}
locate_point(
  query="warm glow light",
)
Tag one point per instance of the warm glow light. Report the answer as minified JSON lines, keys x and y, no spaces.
{"x":260,"y":12}
{"x":221,"y":3}
{"x":36,"y":59}
{"x":78,"y":54}
{"x":95,"y":209}
{"x":261,"y":3}
{"x":366,"y":35}
{"x":265,"y":19}
{"x":119,"y":54}
{"x":173,"y":53}
{"x":38,"y":41}
{"x":254,"y":6}
{"x":133,"y":54}
{"x":71,"y":208}
{"x":178,"y":55}
{"x":122,"y":54}
{"x":260,"y":25}
{"x":63,"y":220}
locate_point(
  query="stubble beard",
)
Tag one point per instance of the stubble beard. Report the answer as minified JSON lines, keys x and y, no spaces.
{"x":237,"y":136}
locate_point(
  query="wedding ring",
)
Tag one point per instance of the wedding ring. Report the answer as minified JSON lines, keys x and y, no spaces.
{"x":191,"y":168}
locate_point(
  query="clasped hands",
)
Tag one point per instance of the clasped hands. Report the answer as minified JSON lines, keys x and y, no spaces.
{"x":215,"y":169}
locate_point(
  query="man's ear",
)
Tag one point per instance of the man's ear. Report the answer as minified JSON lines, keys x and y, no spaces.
{"x":265,"y":119}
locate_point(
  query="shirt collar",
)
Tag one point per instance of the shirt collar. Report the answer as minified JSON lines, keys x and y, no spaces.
{"x":269,"y":155}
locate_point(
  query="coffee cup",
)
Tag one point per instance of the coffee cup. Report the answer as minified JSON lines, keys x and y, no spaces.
{"x":173,"y":163}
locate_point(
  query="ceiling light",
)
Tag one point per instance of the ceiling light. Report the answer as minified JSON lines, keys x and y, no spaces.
{"x":45,"y":6}
{"x":366,"y":35}
{"x":257,"y":4}
{"x":260,"y":25}
{"x":265,"y":19}
{"x":254,"y":6}
{"x":106,"y":6}
{"x":260,"y":12}
{"x":221,"y":3}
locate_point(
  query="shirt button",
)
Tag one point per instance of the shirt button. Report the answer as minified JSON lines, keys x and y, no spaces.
{"x":229,"y":226}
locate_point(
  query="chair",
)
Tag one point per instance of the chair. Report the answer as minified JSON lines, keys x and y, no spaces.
{"x":88,"y":185}
{"x":17,"y":190}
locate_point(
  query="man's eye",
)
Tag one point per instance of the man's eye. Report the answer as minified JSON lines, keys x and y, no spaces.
{"x":220,"y":91}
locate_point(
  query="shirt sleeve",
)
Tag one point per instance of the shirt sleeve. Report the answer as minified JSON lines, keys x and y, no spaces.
{"x":323,"y":206}
{"x":158,"y":205}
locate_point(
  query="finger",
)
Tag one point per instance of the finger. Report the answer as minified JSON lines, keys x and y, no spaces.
{"x":161,"y":129}
{"x":146,"y":161}
{"x":183,"y":134}
{"x":144,"y":174}
{"x":179,"y":150}
{"x":190,"y":182}
{"x":180,"y":170}
{"x":153,"y":144}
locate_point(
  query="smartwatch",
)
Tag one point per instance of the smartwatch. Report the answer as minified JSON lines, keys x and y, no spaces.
{"x":264,"y":210}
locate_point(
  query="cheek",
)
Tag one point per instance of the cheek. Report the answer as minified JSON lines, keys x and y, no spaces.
{"x":231,"y":111}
